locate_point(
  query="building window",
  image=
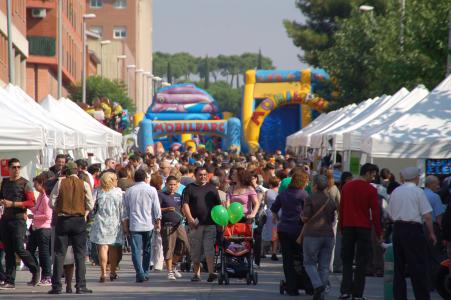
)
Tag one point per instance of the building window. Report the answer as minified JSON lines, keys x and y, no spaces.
{"x":97,"y":30}
{"x":96,"y":3}
{"x":120,"y":4}
{"x":120,"y":32}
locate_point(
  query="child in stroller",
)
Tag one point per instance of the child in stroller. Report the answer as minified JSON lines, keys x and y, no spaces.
{"x":236,"y":254}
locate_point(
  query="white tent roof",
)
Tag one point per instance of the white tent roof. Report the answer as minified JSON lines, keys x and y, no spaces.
{"x":317,"y":138}
{"x":312,"y":124}
{"x":422,"y":132}
{"x":352,"y":139}
{"x":17,"y":132}
{"x":302,"y":137}
{"x":114,"y":138}
{"x":365,"y":117}
{"x":95,"y":137}
{"x":64,"y":137}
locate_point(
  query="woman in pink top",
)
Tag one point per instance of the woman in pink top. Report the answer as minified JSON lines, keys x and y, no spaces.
{"x":40,"y":231}
{"x":244,"y":193}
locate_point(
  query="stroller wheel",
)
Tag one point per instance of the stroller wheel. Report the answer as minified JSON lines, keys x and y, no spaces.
{"x":282,"y":287}
{"x":255,"y":278}
{"x":248,"y":279}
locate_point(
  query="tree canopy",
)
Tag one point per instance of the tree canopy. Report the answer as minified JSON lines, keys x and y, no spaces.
{"x":369,"y":53}
{"x":98,"y":87}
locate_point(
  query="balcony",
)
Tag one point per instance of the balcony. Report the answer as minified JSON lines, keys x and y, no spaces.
{"x":41,"y":45}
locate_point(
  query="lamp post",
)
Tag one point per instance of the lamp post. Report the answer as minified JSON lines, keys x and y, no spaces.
{"x":60,"y":48}
{"x":119,"y":57}
{"x":10,"y":42}
{"x":144,"y":89}
{"x":83,"y":74}
{"x":128,"y":78}
{"x":103,"y":43}
{"x":138,"y":95}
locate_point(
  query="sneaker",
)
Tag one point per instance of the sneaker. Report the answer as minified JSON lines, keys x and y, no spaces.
{"x":7,"y":286}
{"x":212,"y":277}
{"x":274,"y":257}
{"x":46,"y":281}
{"x":345,"y":296}
{"x":195,"y":278}
{"x":177,"y":273}
{"x":171,"y":276}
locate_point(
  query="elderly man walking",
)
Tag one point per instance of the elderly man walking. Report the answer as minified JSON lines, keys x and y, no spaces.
{"x":409,"y":208}
{"x":142,"y":215}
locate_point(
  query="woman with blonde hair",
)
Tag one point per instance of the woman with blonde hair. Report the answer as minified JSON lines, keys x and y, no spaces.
{"x":106,"y":231}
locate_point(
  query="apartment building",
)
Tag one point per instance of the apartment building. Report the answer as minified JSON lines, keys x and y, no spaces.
{"x":19,"y":41}
{"x":42,"y":63}
{"x":127,"y":24}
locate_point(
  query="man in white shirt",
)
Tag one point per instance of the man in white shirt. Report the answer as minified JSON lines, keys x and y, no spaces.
{"x":409,"y":208}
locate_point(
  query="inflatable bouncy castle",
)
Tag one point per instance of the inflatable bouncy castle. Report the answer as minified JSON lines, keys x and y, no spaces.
{"x":178,"y":111}
{"x":278,"y":103}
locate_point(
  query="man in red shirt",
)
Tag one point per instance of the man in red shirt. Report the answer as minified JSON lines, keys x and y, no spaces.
{"x":359,"y":211}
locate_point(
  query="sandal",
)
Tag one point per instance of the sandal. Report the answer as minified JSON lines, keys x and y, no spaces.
{"x":102,"y":279}
{"x":113,"y":277}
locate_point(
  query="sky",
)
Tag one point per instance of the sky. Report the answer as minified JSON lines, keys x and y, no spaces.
{"x":212,"y":27}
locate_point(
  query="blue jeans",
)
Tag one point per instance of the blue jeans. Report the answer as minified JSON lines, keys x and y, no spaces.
{"x":141,"y":241}
{"x":317,"y":255}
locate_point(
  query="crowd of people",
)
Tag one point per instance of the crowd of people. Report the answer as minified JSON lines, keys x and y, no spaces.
{"x":159,"y":207}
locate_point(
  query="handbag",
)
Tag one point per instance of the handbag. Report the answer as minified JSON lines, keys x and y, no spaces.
{"x":300,"y":238}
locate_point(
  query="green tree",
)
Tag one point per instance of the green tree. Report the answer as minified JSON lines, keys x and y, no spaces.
{"x":316,"y":34}
{"x":97,"y":87}
{"x":368,"y":59}
{"x":228,"y":98}
{"x":206,"y":74}
{"x":169,"y":73}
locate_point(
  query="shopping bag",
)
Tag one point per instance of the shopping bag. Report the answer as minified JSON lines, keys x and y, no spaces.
{"x":157,"y":257}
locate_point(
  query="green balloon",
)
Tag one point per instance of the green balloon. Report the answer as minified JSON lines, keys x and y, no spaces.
{"x":236,"y":212}
{"x":234,"y":219}
{"x":219,"y":215}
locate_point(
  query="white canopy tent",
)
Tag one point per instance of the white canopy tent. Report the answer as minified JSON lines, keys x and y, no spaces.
{"x":317,"y":138}
{"x":113,"y":138}
{"x":352,"y":140}
{"x":302,"y":137}
{"x":20,"y":138}
{"x":373,"y":112}
{"x":67,"y":138}
{"x":422,"y":132}
{"x":96,"y":141}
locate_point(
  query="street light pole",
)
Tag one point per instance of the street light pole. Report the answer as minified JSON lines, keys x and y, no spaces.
{"x":119,"y":57}
{"x":103,"y":43}
{"x":448,"y":69}
{"x":401,"y":26}
{"x":10,"y":43}
{"x":128,"y":78}
{"x":138,"y":96}
{"x":60,"y":48}
{"x":83,"y":75}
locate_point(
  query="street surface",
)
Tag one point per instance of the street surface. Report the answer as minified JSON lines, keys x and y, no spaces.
{"x":159,"y":288}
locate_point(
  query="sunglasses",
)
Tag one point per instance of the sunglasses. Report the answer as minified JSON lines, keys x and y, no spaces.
{"x":15,"y":167}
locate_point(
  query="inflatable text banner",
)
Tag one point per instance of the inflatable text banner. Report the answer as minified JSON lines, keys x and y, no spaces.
{"x":179,"y":127}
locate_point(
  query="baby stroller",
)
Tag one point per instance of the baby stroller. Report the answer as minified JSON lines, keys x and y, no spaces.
{"x":236,"y":254}
{"x":303,"y":280}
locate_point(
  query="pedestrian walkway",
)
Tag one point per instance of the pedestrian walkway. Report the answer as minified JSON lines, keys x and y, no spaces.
{"x":159,"y":288}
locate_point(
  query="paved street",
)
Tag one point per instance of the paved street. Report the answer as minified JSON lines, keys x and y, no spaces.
{"x":159,"y":288}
